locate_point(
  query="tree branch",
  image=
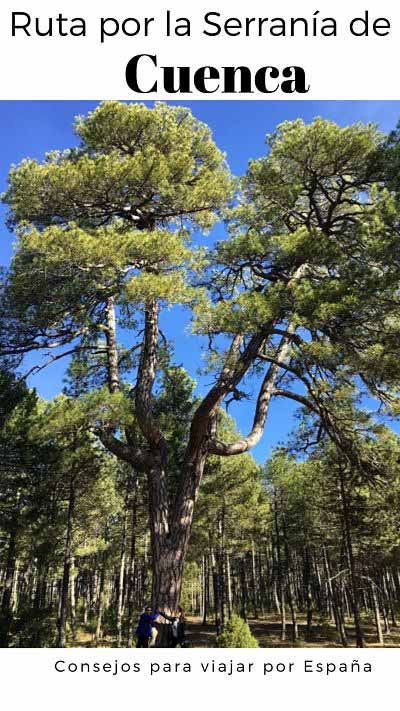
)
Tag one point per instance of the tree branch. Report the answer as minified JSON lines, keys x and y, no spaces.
{"x":136,"y":457}
{"x":262,"y":406}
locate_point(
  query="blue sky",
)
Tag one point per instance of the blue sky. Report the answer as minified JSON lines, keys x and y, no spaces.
{"x":31,"y":128}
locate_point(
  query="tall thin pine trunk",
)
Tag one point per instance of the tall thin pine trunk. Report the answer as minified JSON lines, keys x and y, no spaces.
{"x":7,"y":600}
{"x":132,"y":567}
{"x":121,"y":577}
{"x":360,"y":641}
{"x":64,"y":592}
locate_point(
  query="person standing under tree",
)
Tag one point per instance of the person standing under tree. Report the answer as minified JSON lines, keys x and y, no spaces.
{"x":177,"y":634}
{"x":145,"y":628}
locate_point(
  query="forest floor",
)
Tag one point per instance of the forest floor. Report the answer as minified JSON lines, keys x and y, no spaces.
{"x":267,"y":633}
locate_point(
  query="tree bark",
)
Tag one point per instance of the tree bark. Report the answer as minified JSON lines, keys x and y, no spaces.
{"x":360,"y":642}
{"x":72,"y":598}
{"x":254,"y":581}
{"x":132,"y":567}
{"x":375,"y":604}
{"x":280,"y":576}
{"x":112,"y":350}
{"x":101,"y":600}
{"x":334,"y":601}
{"x":121,"y":577}
{"x":308,"y":590}
{"x":7,"y":600}
{"x":206,"y":588}
{"x":62,"y":620}
{"x":229,"y":585}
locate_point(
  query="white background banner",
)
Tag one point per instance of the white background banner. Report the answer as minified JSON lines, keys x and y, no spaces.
{"x":90,"y":44}
{"x":29,"y":679}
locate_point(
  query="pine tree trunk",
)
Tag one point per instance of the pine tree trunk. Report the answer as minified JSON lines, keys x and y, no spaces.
{"x":167,"y":581}
{"x":14,"y":590}
{"x":308,"y":588}
{"x":389,"y":595}
{"x":170,"y":534}
{"x":7,"y":600}
{"x":132,"y":568}
{"x":206,"y":585}
{"x":100,"y":601}
{"x":112,"y":350}
{"x":229,"y":585}
{"x":375,"y":604}
{"x":360,"y":642}
{"x":262,"y":586}
{"x":244,"y":591}
{"x":86,"y":601}
{"x":335,"y":604}
{"x":72,"y":598}
{"x":121,"y":577}
{"x":382,"y":599}
{"x":62,"y":620}
{"x":254,"y":581}
{"x":221,"y":569}
{"x":289,"y":586}
{"x":293,"y":611}
{"x":281,"y":589}
{"x":167,"y":578}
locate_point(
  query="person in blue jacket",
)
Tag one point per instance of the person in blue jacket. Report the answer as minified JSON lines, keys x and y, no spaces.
{"x":144,"y":630}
